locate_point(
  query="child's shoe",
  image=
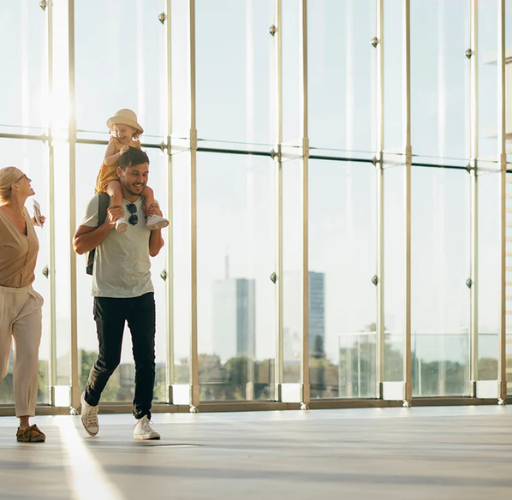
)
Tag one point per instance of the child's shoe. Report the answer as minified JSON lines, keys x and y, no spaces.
{"x":121,"y":225}
{"x":156,"y":222}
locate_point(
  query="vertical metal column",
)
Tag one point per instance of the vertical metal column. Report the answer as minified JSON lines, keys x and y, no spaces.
{"x":75,"y":389}
{"x":407,"y":207}
{"x":380,"y":198}
{"x":170,"y":256}
{"x":305,"y":388}
{"x":51,"y":188}
{"x":473,"y":154}
{"x":502,"y":374}
{"x":194,"y":367}
{"x":279,"y":201}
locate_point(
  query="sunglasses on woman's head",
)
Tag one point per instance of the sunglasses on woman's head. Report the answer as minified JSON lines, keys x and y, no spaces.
{"x":134,"y":218}
{"x":18,"y":180}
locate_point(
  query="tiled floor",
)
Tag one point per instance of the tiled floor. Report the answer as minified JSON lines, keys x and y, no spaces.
{"x":417,"y":453}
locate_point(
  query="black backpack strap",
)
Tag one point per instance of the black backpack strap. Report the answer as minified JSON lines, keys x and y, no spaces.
{"x":103,"y":202}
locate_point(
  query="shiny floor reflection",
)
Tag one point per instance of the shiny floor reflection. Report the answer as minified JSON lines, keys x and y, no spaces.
{"x":416,"y":453}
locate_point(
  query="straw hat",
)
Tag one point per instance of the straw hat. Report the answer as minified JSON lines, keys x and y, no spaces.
{"x":124,"y":117}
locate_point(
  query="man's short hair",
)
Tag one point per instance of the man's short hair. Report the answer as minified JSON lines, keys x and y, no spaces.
{"x":134,"y":156}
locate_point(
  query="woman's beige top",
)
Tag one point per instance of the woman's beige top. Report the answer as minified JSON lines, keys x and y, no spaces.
{"x":18,"y":253}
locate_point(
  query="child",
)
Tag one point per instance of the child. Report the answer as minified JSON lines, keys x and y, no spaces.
{"x":125,"y":134}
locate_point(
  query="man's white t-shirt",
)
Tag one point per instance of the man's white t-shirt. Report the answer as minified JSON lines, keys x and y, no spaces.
{"x":121,"y":261}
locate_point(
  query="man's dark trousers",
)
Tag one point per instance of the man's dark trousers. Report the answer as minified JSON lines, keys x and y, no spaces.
{"x":110,"y":315}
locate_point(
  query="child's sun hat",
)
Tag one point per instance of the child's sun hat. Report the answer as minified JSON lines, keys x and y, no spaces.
{"x":124,"y":117}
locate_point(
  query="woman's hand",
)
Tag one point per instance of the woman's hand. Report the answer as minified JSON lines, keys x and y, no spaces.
{"x":41,"y":222}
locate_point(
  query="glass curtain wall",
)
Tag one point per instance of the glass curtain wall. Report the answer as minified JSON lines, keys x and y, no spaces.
{"x":392,"y":109}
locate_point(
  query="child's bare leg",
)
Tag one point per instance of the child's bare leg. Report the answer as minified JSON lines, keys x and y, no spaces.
{"x":116,"y":199}
{"x":149,"y":200}
{"x":153,"y":221}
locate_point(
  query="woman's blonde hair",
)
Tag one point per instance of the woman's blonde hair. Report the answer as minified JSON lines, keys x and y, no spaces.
{"x":8,"y":177}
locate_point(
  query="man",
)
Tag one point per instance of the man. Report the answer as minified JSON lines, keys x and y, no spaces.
{"x":123,"y":292}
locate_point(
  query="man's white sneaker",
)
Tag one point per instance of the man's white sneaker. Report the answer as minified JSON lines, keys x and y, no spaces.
{"x":121,"y":225}
{"x":156,"y":222}
{"x":143,"y":429}
{"x":89,"y":416}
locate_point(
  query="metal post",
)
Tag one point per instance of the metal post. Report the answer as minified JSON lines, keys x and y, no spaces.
{"x":474,"y":196}
{"x":194,"y":366}
{"x":279,"y":201}
{"x":51,"y":181}
{"x":407,"y":207}
{"x":170,"y":260}
{"x":75,"y":388}
{"x":380,"y":333}
{"x":502,"y":374}
{"x":305,"y":388}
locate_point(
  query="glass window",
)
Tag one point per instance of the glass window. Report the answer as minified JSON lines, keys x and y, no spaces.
{"x":121,"y":385}
{"x":394,"y":273}
{"x":439,"y":76}
{"x":342,"y":297}
{"x":180,"y":67}
{"x":234,"y":61}
{"x":292,"y":105}
{"x":440,"y":249}
{"x":341,"y":74}
{"x":181,"y":319}
{"x":488,"y":79}
{"x":120,"y":63}
{"x":489,"y":273}
{"x":393,"y":75}
{"x":23,"y":95}
{"x":31,"y":157}
{"x":292,"y":271}
{"x":236,"y":256}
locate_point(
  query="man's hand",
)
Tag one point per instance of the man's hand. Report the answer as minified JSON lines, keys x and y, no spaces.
{"x":113,"y":213}
{"x":153,"y":209}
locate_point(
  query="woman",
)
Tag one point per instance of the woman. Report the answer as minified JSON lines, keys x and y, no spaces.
{"x":20,"y":305}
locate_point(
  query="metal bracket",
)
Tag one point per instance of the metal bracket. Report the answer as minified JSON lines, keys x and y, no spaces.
{"x":375,"y":280}
{"x":375,"y":41}
{"x":469,"y":53}
{"x":42,"y":4}
{"x":163,"y":275}
{"x":162,"y":18}
{"x":272,"y":30}
{"x":45,"y":271}
{"x":469,"y":282}
{"x":275,"y":155}
{"x":273,"y":277}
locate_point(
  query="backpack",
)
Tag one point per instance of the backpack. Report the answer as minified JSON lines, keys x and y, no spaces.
{"x":103,"y":202}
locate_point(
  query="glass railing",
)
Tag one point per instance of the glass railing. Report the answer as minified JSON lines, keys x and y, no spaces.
{"x":440,"y":364}
{"x":357,"y":365}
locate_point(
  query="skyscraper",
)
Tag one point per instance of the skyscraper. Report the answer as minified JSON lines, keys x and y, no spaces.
{"x":316,"y":313}
{"x":234,"y":319}
{"x":292,"y":314}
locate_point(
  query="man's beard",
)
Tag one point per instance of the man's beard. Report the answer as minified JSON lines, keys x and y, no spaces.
{"x":128,"y":188}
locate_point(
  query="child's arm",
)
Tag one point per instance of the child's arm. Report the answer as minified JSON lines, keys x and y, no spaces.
{"x":111,"y":156}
